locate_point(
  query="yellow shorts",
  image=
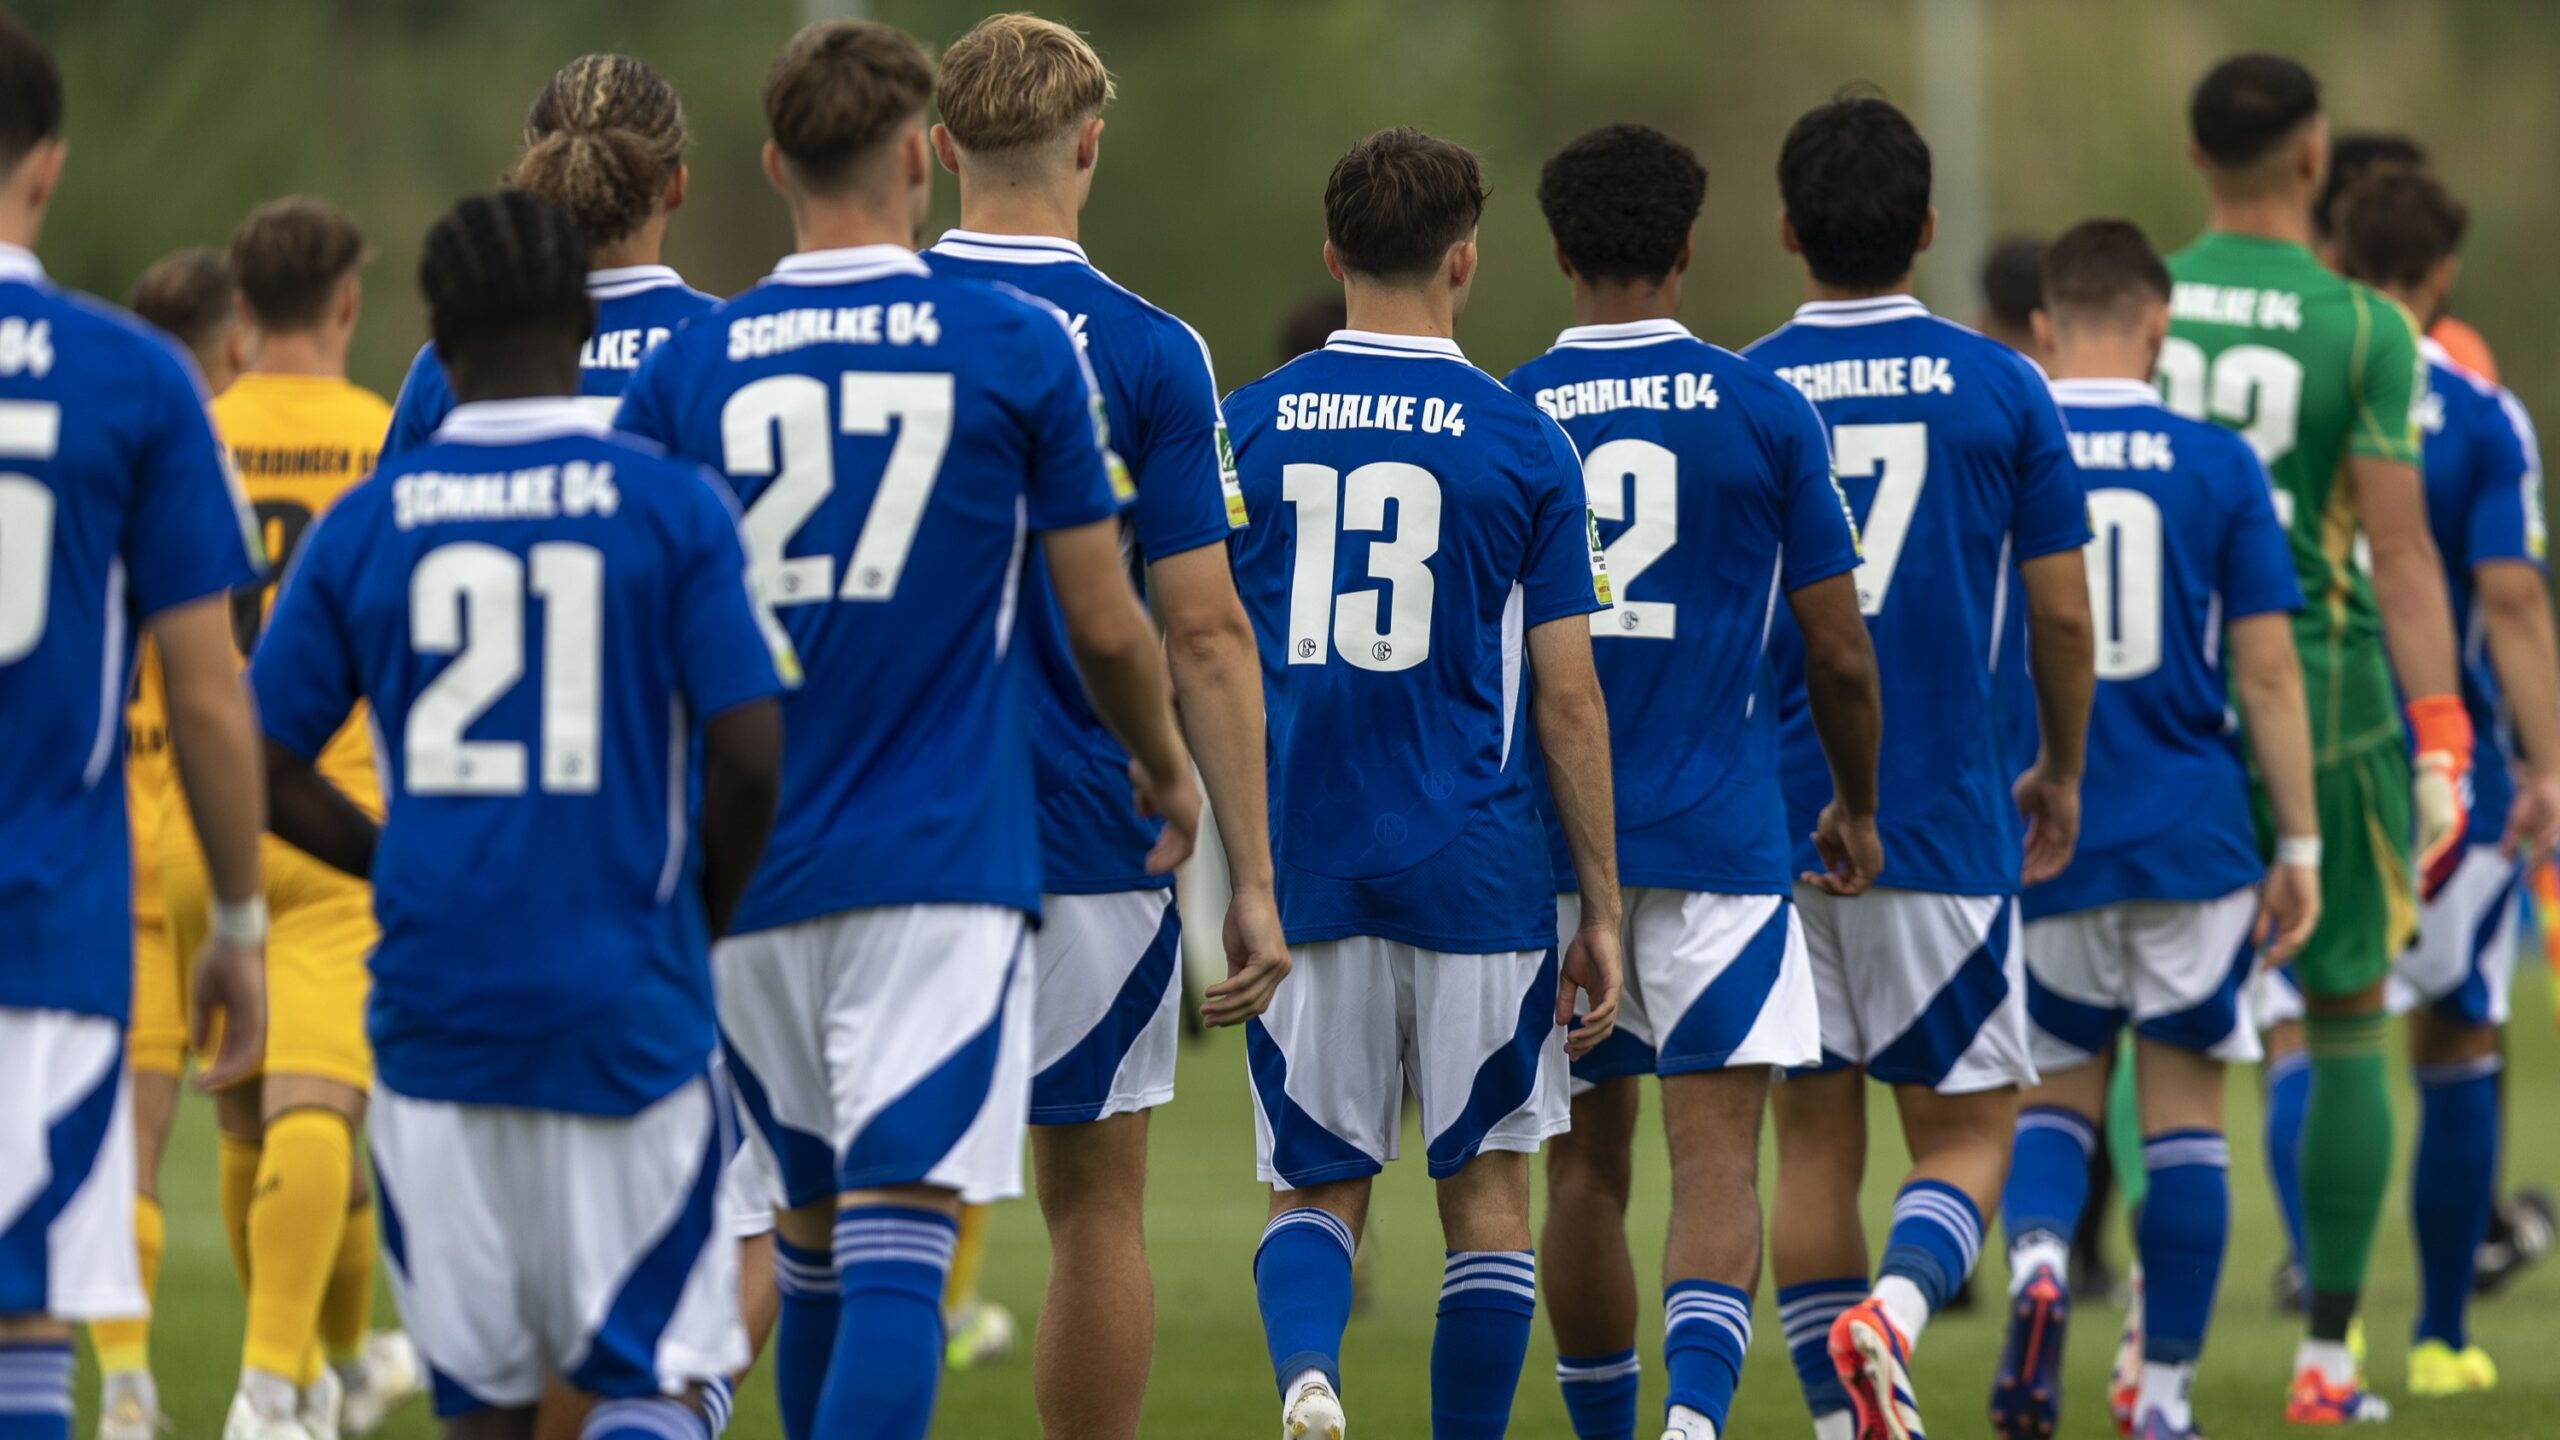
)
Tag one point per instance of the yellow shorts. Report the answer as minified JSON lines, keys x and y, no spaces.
{"x":156,"y":1036}
{"x":320,"y":933}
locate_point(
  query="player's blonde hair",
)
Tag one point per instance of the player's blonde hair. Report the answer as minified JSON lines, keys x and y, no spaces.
{"x":1016,"y":81}
{"x":602,"y":141}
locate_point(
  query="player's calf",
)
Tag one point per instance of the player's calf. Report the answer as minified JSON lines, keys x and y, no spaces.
{"x":1590,"y":1278}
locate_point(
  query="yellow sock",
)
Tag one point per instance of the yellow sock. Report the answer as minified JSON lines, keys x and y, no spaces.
{"x":295,"y":1220}
{"x":347,"y":1308}
{"x":124,"y":1346}
{"x":236,"y":1169}
{"x":968,"y":1255}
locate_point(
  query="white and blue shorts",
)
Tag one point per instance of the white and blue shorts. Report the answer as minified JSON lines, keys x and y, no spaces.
{"x":2177,"y":971}
{"x":1713,"y":982}
{"x":884,"y":1047}
{"x":2464,"y":963}
{"x":1358,"y":1020}
{"x":1920,"y":988}
{"x":525,"y":1244}
{"x":1109,"y":1018}
{"x":749,"y":1193}
{"x":66,"y":1168}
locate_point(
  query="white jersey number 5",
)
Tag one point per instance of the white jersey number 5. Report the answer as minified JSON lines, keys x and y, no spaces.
{"x":1898,"y":457}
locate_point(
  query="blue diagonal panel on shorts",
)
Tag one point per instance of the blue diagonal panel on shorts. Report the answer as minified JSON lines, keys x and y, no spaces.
{"x":807,"y":1162}
{"x":622,"y":1356}
{"x":1303,"y":1152}
{"x":912,"y":1133}
{"x":1075,"y":1086}
{"x":1503,"y":1081}
{"x":2077,"y":1023}
{"x":71,"y":1149}
{"x":1947,"y":1025}
{"x":2206,"y":1023}
{"x":2468,"y":1002}
{"x":1723,"y":1014}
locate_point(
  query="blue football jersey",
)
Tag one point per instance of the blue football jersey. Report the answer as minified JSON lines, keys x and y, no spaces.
{"x":541,"y":615}
{"x":1414,"y":520}
{"x":1711,"y":482}
{"x":896,"y":437}
{"x":115,"y":505}
{"x":2187,"y":542}
{"x":1162,"y":402}
{"x":2484,"y":503}
{"x":1956,"y":467}
{"x":637,"y":308}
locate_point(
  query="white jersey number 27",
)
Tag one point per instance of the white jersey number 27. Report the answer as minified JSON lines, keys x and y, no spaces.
{"x":778,"y":426}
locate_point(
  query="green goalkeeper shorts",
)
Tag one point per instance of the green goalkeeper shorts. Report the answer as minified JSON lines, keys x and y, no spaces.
{"x":2368,"y":903}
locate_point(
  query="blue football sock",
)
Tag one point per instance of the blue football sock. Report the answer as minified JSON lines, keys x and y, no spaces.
{"x":804,"y":1336}
{"x":654,"y":1417}
{"x":2288,"y":1103}
{"x":1706,"y":1329}
{"x":35,"y":1391}
{"x":1302,"y":1281}
{"x":2186,"y":1221}
{"x":719,"y":1402}
{"x":1487,"y":1299}
{"x":2452,"y":1184}
{"x":1807,"y":1311}
{"x":887,"y":1366}
{"x":1936,"y":1236}
{"x":1600,"y":1393}
{"x":2048,"y":1175}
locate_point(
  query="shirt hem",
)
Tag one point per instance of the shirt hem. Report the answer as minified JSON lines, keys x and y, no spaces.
{"x":1540,"y":940}
{"x":1028,"y":902}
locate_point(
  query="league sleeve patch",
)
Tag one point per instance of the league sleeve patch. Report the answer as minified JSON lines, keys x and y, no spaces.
{"x":1599,"y":557}
{"x":1229,"y":484}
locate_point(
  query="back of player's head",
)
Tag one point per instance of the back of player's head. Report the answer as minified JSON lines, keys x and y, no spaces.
{"x":2103,"y":274}
{"x":1854,"y":175}
{"x":30,"y":93}
{"x":2013,"y":281}
{"x":2350,"y":156}
{"x":186,"y":295}
{"x":2246,"y":108}
{"x":503,"y":273}
{"x":604,"y":139}
{"x":1398,"y":201}
{"x":838,"y":92}
{"x":289,"y":258}
{"x":1016,"y":82}
{"x":1620,"y":201}
{"x":2396,"y":224}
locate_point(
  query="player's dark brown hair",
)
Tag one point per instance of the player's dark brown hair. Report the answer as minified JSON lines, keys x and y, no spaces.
{"x":838,"y":90}
{"x":2013,"y":280}
{"x":2102,"y":271}
{"x":288,"y":258}
{"x":2396,"y":224}
{"x":1311,"y":322}
{"x":186,"y":295}
{"x":603,"y":139}
{"x":2350,"y":156}
{"x":505,"y":273}
{"x":1397,"y":202}
{"x":2249,"y":104}
{"x":30,"y":93}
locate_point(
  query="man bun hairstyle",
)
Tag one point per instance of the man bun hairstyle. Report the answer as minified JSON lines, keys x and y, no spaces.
{"x":603,"y":140}
{"x":185,"y":295}
{"x":1620,"y":201}
{"x":1396,"y":203}
{"x":838,"y":90}
{"x":2248,"y":105}
{"x":1016,"y":80}
{"x":1854,"y":175}
{"x":2104,"y":271}
{"x":503,"y":268}
{"x":289,"y":257}
{"x":30,"y":93}
{"x":2396,"y":223}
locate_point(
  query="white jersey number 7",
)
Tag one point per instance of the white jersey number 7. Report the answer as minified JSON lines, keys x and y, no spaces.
{"x":1898,"y":456}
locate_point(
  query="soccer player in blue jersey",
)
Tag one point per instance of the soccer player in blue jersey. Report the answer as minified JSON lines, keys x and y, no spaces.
{"x":2159,"y":920}
{"x":115,"y":508}
{"x":1711,"y":480}
{"x":550,"y":624}
{"x":1954,"y":460}
{"x":897,"y":438}
{"x":1419,"y":572}
{"x":606,"y":140}
{"x":1021,"y":100}
{"x":2399,"y":231}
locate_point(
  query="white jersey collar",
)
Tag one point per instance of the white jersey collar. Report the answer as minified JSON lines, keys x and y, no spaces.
{"x":1409,"y":347}
{"x":617,"y":281}
{"x":848,"y":265}
{"x":1622,"y":335}
{"x":2434,"y":350}
{"x":519,"y":422}
{"x":1872,"y":310}
{"x":2112,"y":390}
{"x":1010,"y":249}
{"x":21,"y":264}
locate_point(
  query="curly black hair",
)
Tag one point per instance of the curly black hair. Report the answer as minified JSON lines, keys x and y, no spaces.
{"x":1855,"y":178}
{"x":1620,"y":200}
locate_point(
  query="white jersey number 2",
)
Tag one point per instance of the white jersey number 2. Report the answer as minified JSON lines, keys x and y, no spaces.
{"x":1322,"y":623}
{"x":1636,"y":481}
{"x":1898,"y":457}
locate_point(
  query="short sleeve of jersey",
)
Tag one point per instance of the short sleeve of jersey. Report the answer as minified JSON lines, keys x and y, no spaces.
{"x":2506,"y":501}
{"x":1070,"y":481}
{"x":648,"y":406}
{"x":2053,"y":511}
{"x":2389,"y":380}
{"x":1178,"y":461}
{"x":304,"y":676}
{"x":724,"y":653}
{"x":1563,"y":575}
{"x":2257,"y":575}
{"x":426,"y":397}
{"x":1821,"y":540}
{"x":189,"y":534}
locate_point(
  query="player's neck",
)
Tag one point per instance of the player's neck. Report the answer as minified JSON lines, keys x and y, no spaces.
{"x":517,"y":376}
{"x":1626,"y":303}
{"x":19,"y":227}
{"x":1384,"y":311}
{"x":848,"y":226}
{"x":2277,"y":215}
{"x":1824,"y":290}
{"x":640,"y":247}
{"x":2101,"y":357}
{"x":1005,"y":207}
{"x":302,"y":352}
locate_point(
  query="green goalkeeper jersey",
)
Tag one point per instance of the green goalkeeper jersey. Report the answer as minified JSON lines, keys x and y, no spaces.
{"x":2311,"y":369}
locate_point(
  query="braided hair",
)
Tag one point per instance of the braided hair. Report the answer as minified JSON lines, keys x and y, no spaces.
{"x":503,"y":272}
{"x":604,"y":138}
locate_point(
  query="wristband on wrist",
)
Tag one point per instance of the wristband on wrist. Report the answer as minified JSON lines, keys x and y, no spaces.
{"x":2440,"y":723}
{"x":2299,"y":850}
{"x":240,"y":922}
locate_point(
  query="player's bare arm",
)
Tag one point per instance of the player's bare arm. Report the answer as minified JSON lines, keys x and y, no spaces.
{"x":1573,"y":729}
{"x":741,"y":783}
{"x":2417,"y":632}
{"x":2266,"y":680}
{"x":214,"y":737}
{"x":1124,"y":670}
{"x":1217,"y":690}
{"x":2516,"y":611}
{"x":316,"y":817}
{"x":1847,"y":703}
{"x":2062,"y":656}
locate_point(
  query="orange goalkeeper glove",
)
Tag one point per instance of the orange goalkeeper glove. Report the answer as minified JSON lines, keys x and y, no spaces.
{"x":2441,"y":786}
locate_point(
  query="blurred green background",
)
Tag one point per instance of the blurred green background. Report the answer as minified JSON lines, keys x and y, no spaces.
{"x":185,"y":113}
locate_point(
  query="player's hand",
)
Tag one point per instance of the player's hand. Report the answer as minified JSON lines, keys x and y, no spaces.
{"x":1176,"y":799}
{"x":231,"y":981}
{"x":1852,"y":853}
{"x":2051,"y":804}
{"x":2533,"y":821}
{"x":2440,"y":787}
{"x":1590,"y":971}
{"x":1257,"y":961}
{"x":2288,"y":911}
